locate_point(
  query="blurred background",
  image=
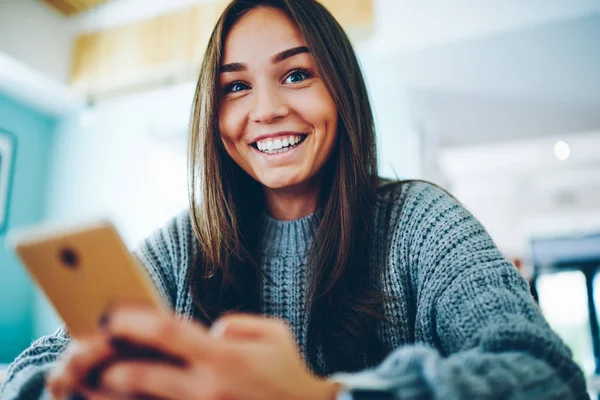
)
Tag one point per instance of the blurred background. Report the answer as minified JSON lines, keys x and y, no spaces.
{"x":496,"y":101}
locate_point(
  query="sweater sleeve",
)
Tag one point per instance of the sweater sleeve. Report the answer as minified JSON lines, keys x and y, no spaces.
{"x":159,"y":254}
{"x":479,"y":332}
{"x":26,"y":375}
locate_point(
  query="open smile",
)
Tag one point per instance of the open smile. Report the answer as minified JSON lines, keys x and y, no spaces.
{"x":280,"y":144}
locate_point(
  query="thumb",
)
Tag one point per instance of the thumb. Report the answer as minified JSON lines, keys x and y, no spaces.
{"x":244,"y":327}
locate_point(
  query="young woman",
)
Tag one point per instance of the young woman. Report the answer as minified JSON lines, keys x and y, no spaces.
{"x":298,"y":273}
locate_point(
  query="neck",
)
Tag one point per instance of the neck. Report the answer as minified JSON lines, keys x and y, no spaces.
{"x":292,"y":202}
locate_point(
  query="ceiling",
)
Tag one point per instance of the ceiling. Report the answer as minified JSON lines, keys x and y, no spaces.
{"x":72,"y":7}
{"x":539,"y":62}
{"x":536,"y":81}
{"x":406,"y":25}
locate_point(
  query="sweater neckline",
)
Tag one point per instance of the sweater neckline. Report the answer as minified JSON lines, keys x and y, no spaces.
{"x":289,"y":237}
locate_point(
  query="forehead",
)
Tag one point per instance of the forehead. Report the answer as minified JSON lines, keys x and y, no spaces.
{"x":260,"y":34}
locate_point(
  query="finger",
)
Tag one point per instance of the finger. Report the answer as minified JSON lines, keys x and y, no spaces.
{"x":163,"y":332}
{"x":153,"y":380}
{"x":89,"y":394}
{"x":73,"y":368}
{"x":249,"y":327}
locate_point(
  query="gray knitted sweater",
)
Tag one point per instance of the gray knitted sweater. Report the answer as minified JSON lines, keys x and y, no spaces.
{"x":463,"y":324}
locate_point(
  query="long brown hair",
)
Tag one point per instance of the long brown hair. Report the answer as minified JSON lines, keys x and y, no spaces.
{"x":344,"y":308}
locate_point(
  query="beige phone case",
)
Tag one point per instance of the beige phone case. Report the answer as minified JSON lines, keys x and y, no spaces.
{"x":84,"y":272}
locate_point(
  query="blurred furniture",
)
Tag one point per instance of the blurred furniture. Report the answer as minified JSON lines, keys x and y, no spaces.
{"x":7,"y":162}
{"x":593,"y":383}
{"x":573,"y":253}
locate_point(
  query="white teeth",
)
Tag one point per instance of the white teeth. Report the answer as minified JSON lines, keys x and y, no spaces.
{"x":278,"y":145}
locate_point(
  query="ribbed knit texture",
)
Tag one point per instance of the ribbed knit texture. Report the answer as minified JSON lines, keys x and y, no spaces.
{"x":463,"y":324}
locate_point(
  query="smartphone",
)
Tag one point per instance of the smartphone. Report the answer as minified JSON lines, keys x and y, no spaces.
{"x":85,"y":271}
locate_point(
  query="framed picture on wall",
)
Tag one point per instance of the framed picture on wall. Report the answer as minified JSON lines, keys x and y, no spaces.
{"x":8,"y":146}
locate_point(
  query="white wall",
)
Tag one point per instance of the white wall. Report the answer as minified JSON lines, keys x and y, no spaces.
{"x":124,"y":159}
{"x":519,"y":189}
{"x":34,"y":34}
{"x":35,"y":89}
{"x":398,"y":141}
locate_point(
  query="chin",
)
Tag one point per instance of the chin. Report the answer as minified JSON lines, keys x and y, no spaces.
{"x":279,"y":182}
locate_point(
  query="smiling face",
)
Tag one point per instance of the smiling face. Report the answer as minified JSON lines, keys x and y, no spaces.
{"x":277,"y":120}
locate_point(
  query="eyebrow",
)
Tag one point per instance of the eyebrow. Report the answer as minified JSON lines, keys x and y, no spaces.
{"x":277,"y":58}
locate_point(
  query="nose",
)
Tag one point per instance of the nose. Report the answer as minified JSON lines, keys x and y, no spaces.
{"x":268,"y":105}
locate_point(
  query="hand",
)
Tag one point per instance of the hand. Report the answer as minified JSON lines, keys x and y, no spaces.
{"x":241,"y":357}
{"x":72,"y":371}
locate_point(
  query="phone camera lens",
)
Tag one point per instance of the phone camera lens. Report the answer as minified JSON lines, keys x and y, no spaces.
{"x":69,"y":258}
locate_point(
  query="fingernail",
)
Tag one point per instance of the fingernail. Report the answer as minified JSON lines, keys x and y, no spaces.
{"x":217,"y":329}
{"x":118,"y":344}
{"x":76,"y":396}
{"x":103,"y":321}
{"x":93,"y":378}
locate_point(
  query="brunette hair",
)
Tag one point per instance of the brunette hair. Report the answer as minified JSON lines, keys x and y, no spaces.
{"x":344,"y":306}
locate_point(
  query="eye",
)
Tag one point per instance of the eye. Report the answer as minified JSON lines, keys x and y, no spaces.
{"x":297,"y":76}
{"x":235,"y":87}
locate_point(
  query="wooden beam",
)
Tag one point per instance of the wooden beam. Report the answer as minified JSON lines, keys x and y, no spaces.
{"x":62,"y":7}
{"x":352,"y":14}
{"x":71,"y":7}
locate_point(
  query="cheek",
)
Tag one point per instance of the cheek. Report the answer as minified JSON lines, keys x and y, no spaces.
{"x":231,"y":129}
{"x":329,"y":118}
{"x":318,"y":108}
{"x":231,"y":123}
{"x":325,"y":116}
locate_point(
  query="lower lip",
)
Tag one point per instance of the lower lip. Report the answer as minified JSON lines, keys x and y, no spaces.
{"x":281,"y":156}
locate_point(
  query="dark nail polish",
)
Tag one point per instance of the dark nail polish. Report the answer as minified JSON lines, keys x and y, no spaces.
{"x":76,"y":396}
{"x":119,"y":345}
{"x":103,"y":321}
{"x":93,"y":378}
